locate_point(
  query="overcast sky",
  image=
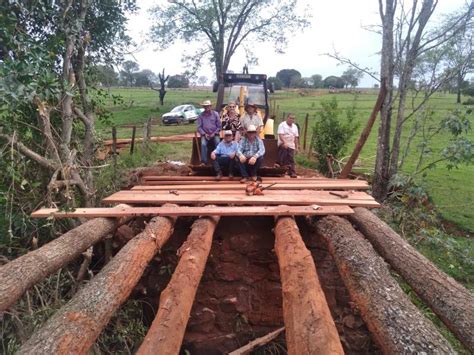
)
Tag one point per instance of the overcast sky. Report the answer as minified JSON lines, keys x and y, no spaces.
{"x":335,"y":24}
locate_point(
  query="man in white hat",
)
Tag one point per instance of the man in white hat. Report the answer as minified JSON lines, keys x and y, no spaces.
{"x":209,"y":127}
{"x":251,"y":117}
{"x":250,"y":154}
{"x":223,"y":157}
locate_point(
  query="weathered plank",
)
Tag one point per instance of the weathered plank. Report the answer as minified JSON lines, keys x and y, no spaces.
{"x":194,"y":211}
{"x":146,"y":177}
{"x":322,"y":198}
{"x":227,"y":185}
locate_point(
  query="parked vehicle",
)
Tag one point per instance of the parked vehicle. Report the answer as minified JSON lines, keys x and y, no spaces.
{"x":181,"y":114}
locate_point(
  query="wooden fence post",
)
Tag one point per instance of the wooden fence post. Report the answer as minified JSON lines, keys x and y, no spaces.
{"x":132,"y":144}
{"x":114,"y":145}
{"x":305,"y":131}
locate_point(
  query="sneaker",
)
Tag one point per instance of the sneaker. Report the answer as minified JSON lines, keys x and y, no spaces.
{"x":244,"y":180}
{"x":218,"y":177}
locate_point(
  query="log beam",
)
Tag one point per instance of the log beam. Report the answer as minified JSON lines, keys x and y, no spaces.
{"x":76,"y":326}
{"x":17,"y":276}
{"x":451,"y":301}
{"x":396,"y":324}
{"x":167,"y":330}
{"x":310,"y":328}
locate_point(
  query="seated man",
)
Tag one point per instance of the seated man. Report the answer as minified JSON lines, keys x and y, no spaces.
{"x":223,"y":157}
{"x":209,"y":127}
{"x":250,"y":154}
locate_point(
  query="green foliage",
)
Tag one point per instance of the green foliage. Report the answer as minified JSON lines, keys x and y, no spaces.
{"x":332,"y":133}
{"x":288,"y":76}
{"x":333,"y":82}
{"x":317,"y":81}
{"x":351,"y":77}
{"x":468,"y":91}
{"x":178,"y":81}
{"x":277,"y":84}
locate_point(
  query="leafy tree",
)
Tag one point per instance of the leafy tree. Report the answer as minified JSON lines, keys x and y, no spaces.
{"x":178,"y":81}
{"x":317,"y":81}
{"x":351,"y":77}
{"x":202,"y":80}
{"x":144,"y":77}
{"x":127,"y":74}
{"x":105,"y":75}
{"x":222,"y":27}
{"x":469,"y":90}
{"x":275,"y":82}
{"x":287,"y":76}
{"x":334,"y":82}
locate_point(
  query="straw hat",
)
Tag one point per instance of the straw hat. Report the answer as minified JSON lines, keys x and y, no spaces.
{"x":206,"y":103}
{"x":250,"y":103}
{"x":252,"y":128}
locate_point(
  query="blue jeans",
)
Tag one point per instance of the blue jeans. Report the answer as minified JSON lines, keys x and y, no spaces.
{"x":204,"y":143}
{"x":223,"y":162}
{"x":247,"y":170}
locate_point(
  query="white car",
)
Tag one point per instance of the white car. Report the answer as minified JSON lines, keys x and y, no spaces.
{"x":181,"y":114}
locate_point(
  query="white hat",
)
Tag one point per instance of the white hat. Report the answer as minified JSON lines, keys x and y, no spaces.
{"x":251,"y":128}
{"x":228,"y":132}
{"x":207,"y":103}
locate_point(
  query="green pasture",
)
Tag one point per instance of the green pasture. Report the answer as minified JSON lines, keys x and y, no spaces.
{"x":452,"y":191}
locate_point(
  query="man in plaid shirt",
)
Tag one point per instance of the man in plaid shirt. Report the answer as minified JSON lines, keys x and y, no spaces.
{"x":250,"y":154}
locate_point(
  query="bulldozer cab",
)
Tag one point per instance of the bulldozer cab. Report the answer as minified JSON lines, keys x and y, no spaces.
{"x":242,"y":88}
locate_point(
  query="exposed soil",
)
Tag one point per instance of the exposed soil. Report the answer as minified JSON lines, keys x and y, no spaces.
{"x":240,"y":297}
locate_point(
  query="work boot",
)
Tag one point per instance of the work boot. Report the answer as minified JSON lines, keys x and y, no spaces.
{"x":231,"y":177}
{"x":244,"y":180}
{"x":254,"y":178}
{"x":218,"y":177}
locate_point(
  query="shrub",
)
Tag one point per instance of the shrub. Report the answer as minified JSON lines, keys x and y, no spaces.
{"x":332,"y":133}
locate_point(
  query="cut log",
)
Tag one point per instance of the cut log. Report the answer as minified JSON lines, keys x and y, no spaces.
{"x":246,"y":349}
{"x":396,"y":324}
{"x":193,"y":211}
{"x":310,"y":328}
{"x":167,"y":330}
{"x":452,"y":302}
{"x":76,"y":326}
{"x":17,"y":276}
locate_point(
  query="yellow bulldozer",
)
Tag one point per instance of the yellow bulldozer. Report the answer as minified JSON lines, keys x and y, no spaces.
{"x":242,"y":88}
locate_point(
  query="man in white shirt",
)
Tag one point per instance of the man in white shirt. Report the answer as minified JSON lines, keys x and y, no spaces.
{"x":251,"y":118}
{"x":288,"y":144}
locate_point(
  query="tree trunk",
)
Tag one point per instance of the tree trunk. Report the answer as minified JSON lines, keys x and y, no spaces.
{"x":167,"y":330}
{"x":17,"y":276}
{"x":453,"y":303}
{"x":396,"y":324}
{"x":382,"y":160}
{"x":458,"y":88}
{"x":310,"y":328}
{"x":76,"y":326}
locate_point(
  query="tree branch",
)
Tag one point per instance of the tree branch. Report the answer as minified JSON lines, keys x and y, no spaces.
{"x":351,"y":63}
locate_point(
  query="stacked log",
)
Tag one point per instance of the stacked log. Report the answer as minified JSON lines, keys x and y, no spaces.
{"x":452,"y":302}
{"x":17,"y":276}
{"x":76,"y":326}
{"x":396,"y":324}
{"x":167,"y":330}
{"x":310,"y":328}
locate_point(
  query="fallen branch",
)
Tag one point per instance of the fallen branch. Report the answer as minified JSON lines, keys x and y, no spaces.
{"x":246,"y":349}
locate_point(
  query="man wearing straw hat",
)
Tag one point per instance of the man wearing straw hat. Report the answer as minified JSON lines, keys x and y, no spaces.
{"x":209,"y":127}
{"x":250,"y":154}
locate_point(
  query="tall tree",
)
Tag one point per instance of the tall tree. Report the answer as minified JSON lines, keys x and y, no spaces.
{"x":317,"y":80}
{"x":162,"y":90}
{"x":127,"y":74}
{"x":351,"y":77}
{"x":224,"y":26}
{"x":288,"y":76}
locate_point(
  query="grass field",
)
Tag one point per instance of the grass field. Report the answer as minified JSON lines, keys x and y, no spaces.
{"x":451,"y":191}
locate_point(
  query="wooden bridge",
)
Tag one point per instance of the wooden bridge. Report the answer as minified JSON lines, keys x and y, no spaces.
{"x":359,"y":242}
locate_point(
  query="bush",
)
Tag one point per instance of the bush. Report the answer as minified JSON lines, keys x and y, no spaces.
{"x":332,"y":133}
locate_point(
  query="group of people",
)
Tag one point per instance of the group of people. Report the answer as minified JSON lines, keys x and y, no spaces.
{"x":241,"y":143}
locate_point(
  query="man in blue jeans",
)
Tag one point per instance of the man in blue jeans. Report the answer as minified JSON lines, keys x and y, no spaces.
{"x":209,"y":127}
{"x":223,"y":157}
{"x":250,"y":154}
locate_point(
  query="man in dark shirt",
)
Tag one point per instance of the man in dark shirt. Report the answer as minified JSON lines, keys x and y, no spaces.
{"x":209,"y":127}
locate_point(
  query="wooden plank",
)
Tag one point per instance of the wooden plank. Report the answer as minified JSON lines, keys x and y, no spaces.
{"x":238,"y":199}
{"x":236,"y":186}
{"x":352,"y":195}
{"x":224,"y":178}
{"x":193,"y":211}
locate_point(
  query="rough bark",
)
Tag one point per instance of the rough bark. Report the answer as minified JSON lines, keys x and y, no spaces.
{"x":76,"y":326}
{"x":453,"y":303}
{"x":396,"y":324}
{"x":310,"y":328}
{"x":17,"y":276}
{"x":167,"y":330}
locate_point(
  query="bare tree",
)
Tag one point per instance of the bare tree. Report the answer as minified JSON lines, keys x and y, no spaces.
{"x":163,"y":79}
